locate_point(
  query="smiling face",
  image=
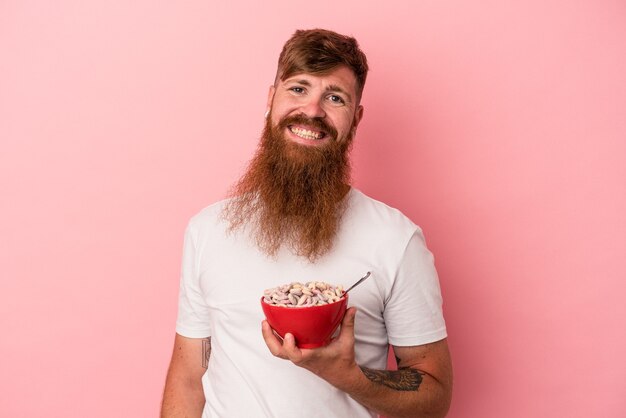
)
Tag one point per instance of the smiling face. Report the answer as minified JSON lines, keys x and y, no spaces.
{"x":312,"y":110}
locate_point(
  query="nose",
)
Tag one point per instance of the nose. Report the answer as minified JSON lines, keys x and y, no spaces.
{"x":313,"y":108}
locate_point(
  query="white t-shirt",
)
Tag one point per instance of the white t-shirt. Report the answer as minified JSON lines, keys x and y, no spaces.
{"x":223,"y":278}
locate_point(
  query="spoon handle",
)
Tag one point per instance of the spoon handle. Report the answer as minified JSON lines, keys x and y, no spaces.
{"x":359,"y":282}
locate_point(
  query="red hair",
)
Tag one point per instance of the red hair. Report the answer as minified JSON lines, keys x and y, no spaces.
{"x":319,"y":51}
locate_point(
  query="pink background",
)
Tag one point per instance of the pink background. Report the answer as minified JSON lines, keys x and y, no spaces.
{"x":499,"y":127}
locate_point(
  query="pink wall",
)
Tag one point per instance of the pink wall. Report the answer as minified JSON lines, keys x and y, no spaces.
{"x":500,"y":129}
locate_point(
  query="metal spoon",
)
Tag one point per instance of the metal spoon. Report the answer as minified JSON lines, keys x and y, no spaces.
{"x":361,"y":280}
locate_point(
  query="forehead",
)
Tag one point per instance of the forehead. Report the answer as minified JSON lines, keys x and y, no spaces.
{"x":341,"y":76}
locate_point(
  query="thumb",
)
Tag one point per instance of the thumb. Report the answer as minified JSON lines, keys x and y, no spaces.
{"x":347,"y":325}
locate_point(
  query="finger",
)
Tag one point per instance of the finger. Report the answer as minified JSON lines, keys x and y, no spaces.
{"x":290,"y":348}
{"x":272,"y":342}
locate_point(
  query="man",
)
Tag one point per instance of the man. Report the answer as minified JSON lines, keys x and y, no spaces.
{"x":294,"y":217}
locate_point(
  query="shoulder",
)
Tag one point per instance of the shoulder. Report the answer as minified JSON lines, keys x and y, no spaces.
{"x":383,"y":229}
{"x":208,"y":218}
{"x":378,"y":214}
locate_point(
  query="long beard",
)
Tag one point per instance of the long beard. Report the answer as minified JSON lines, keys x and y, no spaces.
{"x":292,"y":194}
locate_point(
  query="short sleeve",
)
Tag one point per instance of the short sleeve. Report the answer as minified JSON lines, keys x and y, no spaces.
{"x":413,"y":313}
{"x":193,"y":318}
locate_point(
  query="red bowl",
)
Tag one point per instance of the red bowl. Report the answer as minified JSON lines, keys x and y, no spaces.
{"x":312,"y":326}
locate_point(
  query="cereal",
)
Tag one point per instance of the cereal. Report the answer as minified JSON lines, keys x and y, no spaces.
{"x":298,"y":294}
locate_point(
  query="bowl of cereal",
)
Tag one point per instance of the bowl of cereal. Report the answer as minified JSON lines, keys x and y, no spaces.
{"x":310,"y":311}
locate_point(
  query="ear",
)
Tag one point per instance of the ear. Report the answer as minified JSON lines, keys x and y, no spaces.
{"x":358,"y":115}
{"x":270,"y":98}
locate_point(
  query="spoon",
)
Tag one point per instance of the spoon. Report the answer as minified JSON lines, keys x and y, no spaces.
{"x":361,"y":280}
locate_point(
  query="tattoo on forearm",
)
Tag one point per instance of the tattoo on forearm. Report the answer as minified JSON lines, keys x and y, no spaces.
{"x":206,"y":351}
{"x":405,"y":378}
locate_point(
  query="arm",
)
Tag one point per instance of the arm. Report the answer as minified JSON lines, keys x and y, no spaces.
{"x":183,"y":395}
{"x":421,"y":387}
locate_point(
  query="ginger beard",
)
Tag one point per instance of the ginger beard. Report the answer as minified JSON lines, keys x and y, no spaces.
{"x":292,"y":194}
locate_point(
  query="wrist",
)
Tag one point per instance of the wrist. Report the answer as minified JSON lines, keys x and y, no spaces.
{"x":351,"y":380}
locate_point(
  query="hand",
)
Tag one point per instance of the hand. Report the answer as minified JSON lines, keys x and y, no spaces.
{"x":334,"y":363}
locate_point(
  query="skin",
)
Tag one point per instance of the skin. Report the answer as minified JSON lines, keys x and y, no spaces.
{"x":183,"y":395}
{"x":421,"y":387}
{"x":331,"y":96}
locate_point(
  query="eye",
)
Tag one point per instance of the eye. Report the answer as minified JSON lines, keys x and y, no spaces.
{"x":297,"y":89}
{"x":336,"y":99}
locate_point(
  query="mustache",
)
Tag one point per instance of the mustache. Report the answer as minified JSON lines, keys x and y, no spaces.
{"x":318,"y":124}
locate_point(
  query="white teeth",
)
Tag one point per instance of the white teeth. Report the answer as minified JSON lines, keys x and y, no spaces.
{"x":306,"y":134}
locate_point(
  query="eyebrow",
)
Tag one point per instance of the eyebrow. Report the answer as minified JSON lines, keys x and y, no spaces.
{"x":334,"y":87}
{"x":302,"y":81}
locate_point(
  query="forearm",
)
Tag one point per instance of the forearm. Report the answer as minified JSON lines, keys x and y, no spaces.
{"x":183,"y":395}
{"x":406,"y":392}
{"x":182,"y":399}
{"x":421,"y":387}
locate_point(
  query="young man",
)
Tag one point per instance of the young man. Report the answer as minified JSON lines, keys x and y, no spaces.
{"x":294,"y":217}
